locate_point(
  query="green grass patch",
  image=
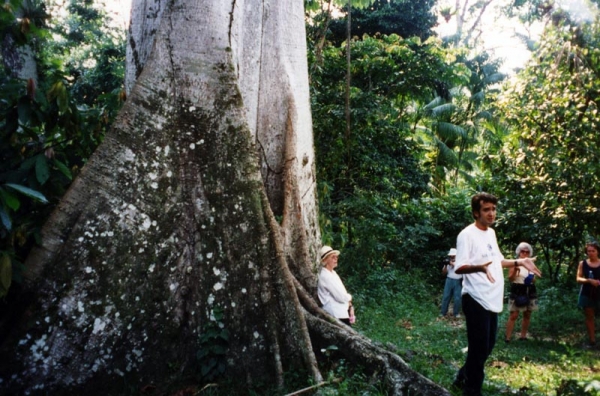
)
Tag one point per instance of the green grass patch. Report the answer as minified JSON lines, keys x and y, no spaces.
{"x":552,"y":362}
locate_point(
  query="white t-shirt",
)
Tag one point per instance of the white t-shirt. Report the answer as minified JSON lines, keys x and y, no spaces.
{"x":452,"y":271}
{"x":333,"y":294}
{"x":476,"y":247}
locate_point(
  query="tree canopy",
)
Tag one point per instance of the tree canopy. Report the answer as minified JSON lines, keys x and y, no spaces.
{"x":547,"y":163}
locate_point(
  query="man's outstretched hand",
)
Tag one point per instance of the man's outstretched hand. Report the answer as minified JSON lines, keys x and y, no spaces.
{"x":529,"y":264}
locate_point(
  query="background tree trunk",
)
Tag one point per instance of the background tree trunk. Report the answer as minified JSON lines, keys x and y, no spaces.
{"x":19,"y":58}
{"x":197,"y":212}
{"x":143,"y":26}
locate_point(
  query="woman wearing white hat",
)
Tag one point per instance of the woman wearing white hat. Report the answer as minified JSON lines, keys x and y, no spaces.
{"x":332,"y":293}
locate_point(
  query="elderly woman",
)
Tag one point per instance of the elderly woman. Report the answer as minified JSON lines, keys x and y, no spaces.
{"x":523,"y":297}
{"x":332,"y":293}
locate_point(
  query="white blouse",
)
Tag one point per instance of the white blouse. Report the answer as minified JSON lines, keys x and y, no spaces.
{"x":333,"y":294}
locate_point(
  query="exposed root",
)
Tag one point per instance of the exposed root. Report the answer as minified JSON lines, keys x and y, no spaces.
{"x":296,"y":321}
{"x":390,"y":369}
{"x":311,"y":306}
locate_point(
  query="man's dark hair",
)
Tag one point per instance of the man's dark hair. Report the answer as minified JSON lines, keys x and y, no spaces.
{"x":480,"y":198}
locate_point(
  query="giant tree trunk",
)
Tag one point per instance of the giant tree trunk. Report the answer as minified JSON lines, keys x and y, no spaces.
{"x":197,"y":212}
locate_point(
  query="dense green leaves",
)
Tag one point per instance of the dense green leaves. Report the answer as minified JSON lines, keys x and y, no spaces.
{"x":420,"y":112}
{"x":549,"y":166}
{"x":404,"y":18}
{"x":454,"y":129}
{"x":48,"y":131}
{"x":213,"y":346}
{"x":372,"y":182}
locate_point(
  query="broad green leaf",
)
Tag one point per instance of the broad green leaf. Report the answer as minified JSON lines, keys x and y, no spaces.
{"x":59,"y":92}
{"x":451,"y":131}
{"x":444,"y":109}
{"x":437,"y":101}
{"x":42,"y":172}
{"x":9,"y":199}
{"x":28,"y":192}
{"x":63,"y":102}
{"x":63,"y":169}
{"x":219,"y":349}
{"x":29,"y":162}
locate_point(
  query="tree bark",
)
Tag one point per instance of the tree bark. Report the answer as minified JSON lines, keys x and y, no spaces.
{"x":143,"y":26}
{"x":19,"y":59}
{"x":197,"y":213}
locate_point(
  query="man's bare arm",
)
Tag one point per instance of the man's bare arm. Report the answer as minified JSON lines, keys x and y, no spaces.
{"x":469,"y":269}
{"x":527,"y":263}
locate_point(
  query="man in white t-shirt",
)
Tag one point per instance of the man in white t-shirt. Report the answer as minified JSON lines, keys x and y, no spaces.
{"x":479,"y":260}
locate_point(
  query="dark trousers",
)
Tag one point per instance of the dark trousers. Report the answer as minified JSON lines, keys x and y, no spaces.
{"x":482,"y":327}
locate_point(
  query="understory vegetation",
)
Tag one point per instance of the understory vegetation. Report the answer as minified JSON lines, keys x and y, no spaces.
{"x":396,"y":310}
{"x":401,"y":313}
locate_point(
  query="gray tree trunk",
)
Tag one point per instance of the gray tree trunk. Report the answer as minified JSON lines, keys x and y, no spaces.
{"x":19,"y":60}
{"x":197,"y":213}
{"x":143,"y":26}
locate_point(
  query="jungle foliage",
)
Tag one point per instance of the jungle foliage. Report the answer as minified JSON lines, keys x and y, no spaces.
{"x":371,"y":181}
{"x":547,"y":168}
{"x":431,"y":124}
{"x":48,"y":131}
{"x":405,"y":18}
{"x":400,"y":180}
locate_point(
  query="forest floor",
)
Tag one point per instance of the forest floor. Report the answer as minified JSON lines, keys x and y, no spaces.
{"x":554,"y":360}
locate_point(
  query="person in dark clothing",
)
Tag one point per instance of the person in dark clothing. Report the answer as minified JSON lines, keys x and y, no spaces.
{"x":588,"y":275}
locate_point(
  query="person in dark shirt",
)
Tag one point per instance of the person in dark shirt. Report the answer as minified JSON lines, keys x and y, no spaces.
{"x":588,"y":275}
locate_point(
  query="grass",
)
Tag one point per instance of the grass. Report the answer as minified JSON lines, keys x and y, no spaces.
{"x":401,"y":311}
{"x":552,"y":362}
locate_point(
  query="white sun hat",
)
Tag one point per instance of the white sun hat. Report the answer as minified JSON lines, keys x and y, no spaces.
{"x":327,"y":251}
